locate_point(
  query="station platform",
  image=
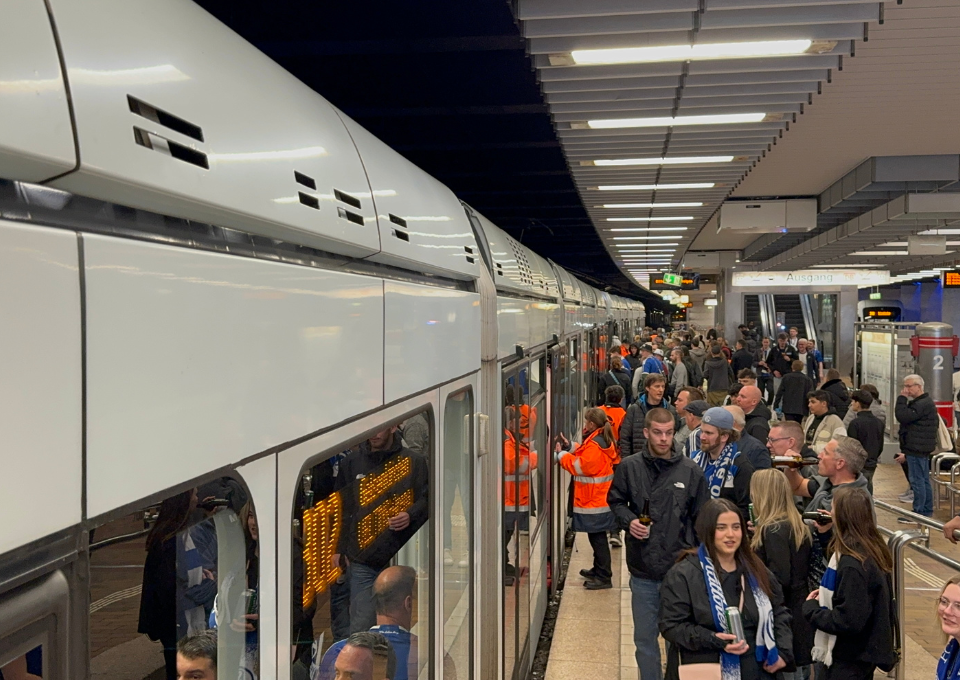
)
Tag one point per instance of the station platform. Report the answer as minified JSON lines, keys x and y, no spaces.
{"x":593,"y":637}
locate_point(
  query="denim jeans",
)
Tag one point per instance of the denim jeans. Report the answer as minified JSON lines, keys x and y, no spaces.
{"x":363,"y":610}
{"x":918,"y":468}
{"x":645,"y":603}
{"x":802,"y":673}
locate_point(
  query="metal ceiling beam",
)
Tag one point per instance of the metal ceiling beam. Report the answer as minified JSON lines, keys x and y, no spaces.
{"x":904,"y":215}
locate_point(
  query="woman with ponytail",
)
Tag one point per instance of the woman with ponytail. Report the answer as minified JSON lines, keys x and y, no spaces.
{"x":591,"y":465}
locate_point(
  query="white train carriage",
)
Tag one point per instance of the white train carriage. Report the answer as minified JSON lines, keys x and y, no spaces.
{"x":219,"y":299}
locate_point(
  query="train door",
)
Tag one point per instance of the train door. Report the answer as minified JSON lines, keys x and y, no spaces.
{"x":519,"y":457}
{"x":561,"y":378}
{"x":540,"y":505}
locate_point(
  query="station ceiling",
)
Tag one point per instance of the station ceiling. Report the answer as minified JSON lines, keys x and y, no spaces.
{"x":497,"y":100}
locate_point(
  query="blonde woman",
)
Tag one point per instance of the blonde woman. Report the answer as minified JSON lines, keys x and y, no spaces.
{"x":948,"y":611}
{"x":783,"y":542}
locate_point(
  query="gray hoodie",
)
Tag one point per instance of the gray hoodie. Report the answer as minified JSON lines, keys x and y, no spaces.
{"x":698,"y":354}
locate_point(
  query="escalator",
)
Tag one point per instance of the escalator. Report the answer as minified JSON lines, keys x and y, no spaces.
{"x":792,"y":310}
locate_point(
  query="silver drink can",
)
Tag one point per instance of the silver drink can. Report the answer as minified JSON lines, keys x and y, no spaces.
{"x":735,"y":623}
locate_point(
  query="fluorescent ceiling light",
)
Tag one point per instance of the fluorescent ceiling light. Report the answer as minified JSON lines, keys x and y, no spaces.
{"x":941,"y":232}
{"x":632,"y":238}
{"x":682,"y":218}
{"x":670,"y":121}
{"x":643,"y":245}
{"x":904,"y":244}
{"x":628,"y":253}
{"x":694,"y":204}
{"x":638,"y":55}
{"x":880,"y":252}
{"x":845,"y":266}
{"x":655,"y":187}
{"x":674,"y":160}
{"x":649,"y":229}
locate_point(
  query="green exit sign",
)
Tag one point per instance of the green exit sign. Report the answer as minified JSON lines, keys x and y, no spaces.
{"x":876,"y":296}
{"x":672,"y":279}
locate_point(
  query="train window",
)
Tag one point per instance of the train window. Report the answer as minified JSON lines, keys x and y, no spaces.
{"x":361,"y":559}
{"x":184,"y":572}
{"x":457,"y":536}
{"x":23,"y":666}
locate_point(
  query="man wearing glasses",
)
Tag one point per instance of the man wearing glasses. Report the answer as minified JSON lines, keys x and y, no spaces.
{"x":919,"y":422}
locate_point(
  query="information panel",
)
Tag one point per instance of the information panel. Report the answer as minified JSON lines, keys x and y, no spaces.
{"x":950,"y":279}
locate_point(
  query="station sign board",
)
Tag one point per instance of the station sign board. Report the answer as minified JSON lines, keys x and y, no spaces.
{"x":812,"y":277}
{"x":876,"y":296}
{"x":670,"y":281}
{"x":950,"y":279}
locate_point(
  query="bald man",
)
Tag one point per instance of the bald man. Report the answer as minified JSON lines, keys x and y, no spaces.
{"x":755,"y":412}
{"x":366,"y":656}
{"x":755,"y":450}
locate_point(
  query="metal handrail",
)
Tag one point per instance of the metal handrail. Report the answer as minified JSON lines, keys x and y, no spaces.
{"x":914,"y":517}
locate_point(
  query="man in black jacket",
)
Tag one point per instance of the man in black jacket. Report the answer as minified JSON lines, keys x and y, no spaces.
{"x":742,"y":358}
{"x":867,"y":429}
{"x":675,"y":489}
{"x":919,"y":424}
{"x":792,"y":393}
{"x":755,"y":412}
{"x":781,"y":359}
{"x":380,"y":458}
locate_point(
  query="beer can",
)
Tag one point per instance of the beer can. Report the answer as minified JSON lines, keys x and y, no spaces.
{"x":734,"y":623}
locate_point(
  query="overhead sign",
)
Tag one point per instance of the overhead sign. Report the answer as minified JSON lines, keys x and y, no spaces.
{"x":925,"y":244}
{"x":813,"y":277}
{"x":665,"y":281}
{"x":672,"y":279}
{"x":876,"y":296}
{"x":950,"y":279}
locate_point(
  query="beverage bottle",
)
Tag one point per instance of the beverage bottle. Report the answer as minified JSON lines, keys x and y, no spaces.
{"x":644,"y":516}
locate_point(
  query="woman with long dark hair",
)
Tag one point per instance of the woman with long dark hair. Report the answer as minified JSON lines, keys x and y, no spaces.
{"x":696,"y":593}
{"x":158,"y":598}
{"x":852,"y":610}
{"x":783,"y":543}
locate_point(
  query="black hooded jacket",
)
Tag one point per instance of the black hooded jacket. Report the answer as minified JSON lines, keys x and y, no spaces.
{"x":676,"y":489}
{"x":839,"y":396}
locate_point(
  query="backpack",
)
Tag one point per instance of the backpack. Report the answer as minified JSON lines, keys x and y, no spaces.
{"x":694,"y":374}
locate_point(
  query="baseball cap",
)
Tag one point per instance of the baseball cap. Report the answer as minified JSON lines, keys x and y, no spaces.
{"x":719,"y":418}
{"x":647,"y":348}
{"x":658,"y":351}
{"x":697,"y":407}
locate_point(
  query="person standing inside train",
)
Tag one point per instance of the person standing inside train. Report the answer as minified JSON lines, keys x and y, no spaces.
{"x":852,"y":610}
{"x":724,"y":572}
{"x":948,"y":611}
{"x":366,"y":560}
{"x":591,"y":465}
{"x":784,"y":543}
{"x":518,"y":461}
{"x":672,"y":489}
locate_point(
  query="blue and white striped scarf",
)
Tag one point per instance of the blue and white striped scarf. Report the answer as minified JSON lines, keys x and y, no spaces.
{"x":716,"y":470}
{"x":766,"y":645}
{"x":948,"y":668}
{"x":823,"y":642}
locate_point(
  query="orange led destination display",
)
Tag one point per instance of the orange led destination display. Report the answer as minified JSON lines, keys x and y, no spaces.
{"x":950,"y":279}
{"x":322,"y":523}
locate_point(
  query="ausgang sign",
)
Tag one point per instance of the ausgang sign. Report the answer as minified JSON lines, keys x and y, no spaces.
{"x":813,"y":277}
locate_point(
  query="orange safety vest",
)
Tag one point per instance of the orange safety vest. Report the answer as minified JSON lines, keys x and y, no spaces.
{"x":516,"y":473}
{"x":592,"y":469}
{"x":624,"y":350}
{"x":615,"y":416}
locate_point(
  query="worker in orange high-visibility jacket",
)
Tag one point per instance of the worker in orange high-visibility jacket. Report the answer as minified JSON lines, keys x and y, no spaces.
{"x":591,"y":465}
{"x":518,"y":463}
{"x":613,"y":397}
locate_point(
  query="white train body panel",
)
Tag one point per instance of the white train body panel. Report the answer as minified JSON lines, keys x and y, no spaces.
{"x":40,"y":392}
{"x":197,"y":360}
{"x":431,"y":335}
{"x":513,"y":325}
{"x":258,"y":124}
{"x":36,"y":136}
{"x":422,"y":224}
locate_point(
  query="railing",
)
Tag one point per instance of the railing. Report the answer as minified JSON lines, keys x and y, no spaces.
{"x":898,"y":542}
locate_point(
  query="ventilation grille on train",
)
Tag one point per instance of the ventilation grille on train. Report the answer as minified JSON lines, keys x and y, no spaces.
{"x":524,"y":273}
{"x":165,"y":145}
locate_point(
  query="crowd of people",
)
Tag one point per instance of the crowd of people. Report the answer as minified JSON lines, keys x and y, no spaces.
{"x":732,"y":510}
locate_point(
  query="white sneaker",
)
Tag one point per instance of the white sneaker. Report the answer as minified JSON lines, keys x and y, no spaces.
{"x":447,"y":558}
{"x":906,"y":497}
